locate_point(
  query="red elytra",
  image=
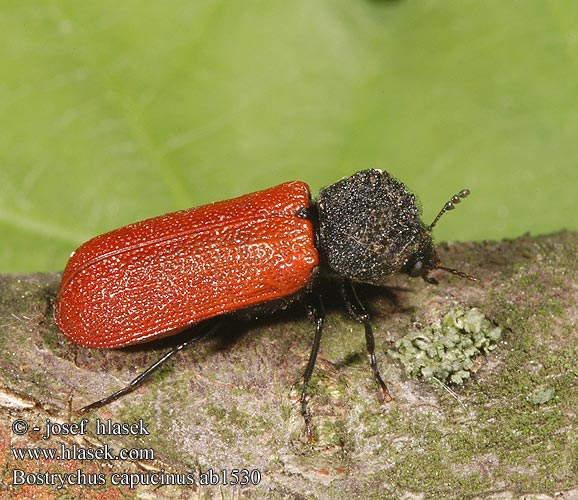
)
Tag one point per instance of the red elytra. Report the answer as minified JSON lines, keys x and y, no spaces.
{"x":157,"y":277}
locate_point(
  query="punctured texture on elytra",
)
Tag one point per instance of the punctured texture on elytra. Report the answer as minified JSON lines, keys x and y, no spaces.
{"x":155,"y":277}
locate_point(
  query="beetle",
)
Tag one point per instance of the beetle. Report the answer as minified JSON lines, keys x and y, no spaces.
{"x":260,"y":251}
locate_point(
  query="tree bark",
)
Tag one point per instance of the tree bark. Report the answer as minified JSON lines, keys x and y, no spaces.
{"x":231,"y":402}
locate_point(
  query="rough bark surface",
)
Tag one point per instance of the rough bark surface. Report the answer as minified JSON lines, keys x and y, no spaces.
{"x":511,"y":431}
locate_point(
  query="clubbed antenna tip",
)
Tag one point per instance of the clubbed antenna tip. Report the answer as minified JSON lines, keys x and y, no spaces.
{"x":450,"y":205}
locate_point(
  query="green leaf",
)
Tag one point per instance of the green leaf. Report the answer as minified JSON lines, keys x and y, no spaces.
{"x":111,"y":112}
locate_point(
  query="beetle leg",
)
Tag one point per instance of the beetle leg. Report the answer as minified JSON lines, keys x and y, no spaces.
{"x":359,"y":313}
{"x":316,"y":312}
{"x":150,"y":370}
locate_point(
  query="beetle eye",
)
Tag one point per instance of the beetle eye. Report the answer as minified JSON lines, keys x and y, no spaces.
{"x":416,"y":269}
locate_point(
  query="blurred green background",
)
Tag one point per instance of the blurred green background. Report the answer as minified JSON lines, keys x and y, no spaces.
{"x":111,"y":112}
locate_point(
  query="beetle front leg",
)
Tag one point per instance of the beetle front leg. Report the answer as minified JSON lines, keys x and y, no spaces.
{"x":316,"y":312}
{"x":359,"y":313}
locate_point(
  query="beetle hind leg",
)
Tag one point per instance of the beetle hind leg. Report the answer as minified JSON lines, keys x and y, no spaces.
{"x":131,"y":386}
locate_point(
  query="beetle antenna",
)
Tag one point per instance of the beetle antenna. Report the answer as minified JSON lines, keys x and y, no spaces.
{"x":450,"y":205}
{"x":457,"y":273}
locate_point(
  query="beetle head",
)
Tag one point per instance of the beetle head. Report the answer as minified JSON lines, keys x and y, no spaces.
{"x":370,"y":228}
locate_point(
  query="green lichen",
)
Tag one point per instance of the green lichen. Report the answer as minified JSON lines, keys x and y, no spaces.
{"x":542,"y":395}
{"x":446,"y":350}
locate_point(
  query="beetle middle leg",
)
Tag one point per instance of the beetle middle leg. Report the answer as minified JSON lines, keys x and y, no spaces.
{"x":359,"y":313}
{"x":316,"y":312}
{"x":150,"y":370}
